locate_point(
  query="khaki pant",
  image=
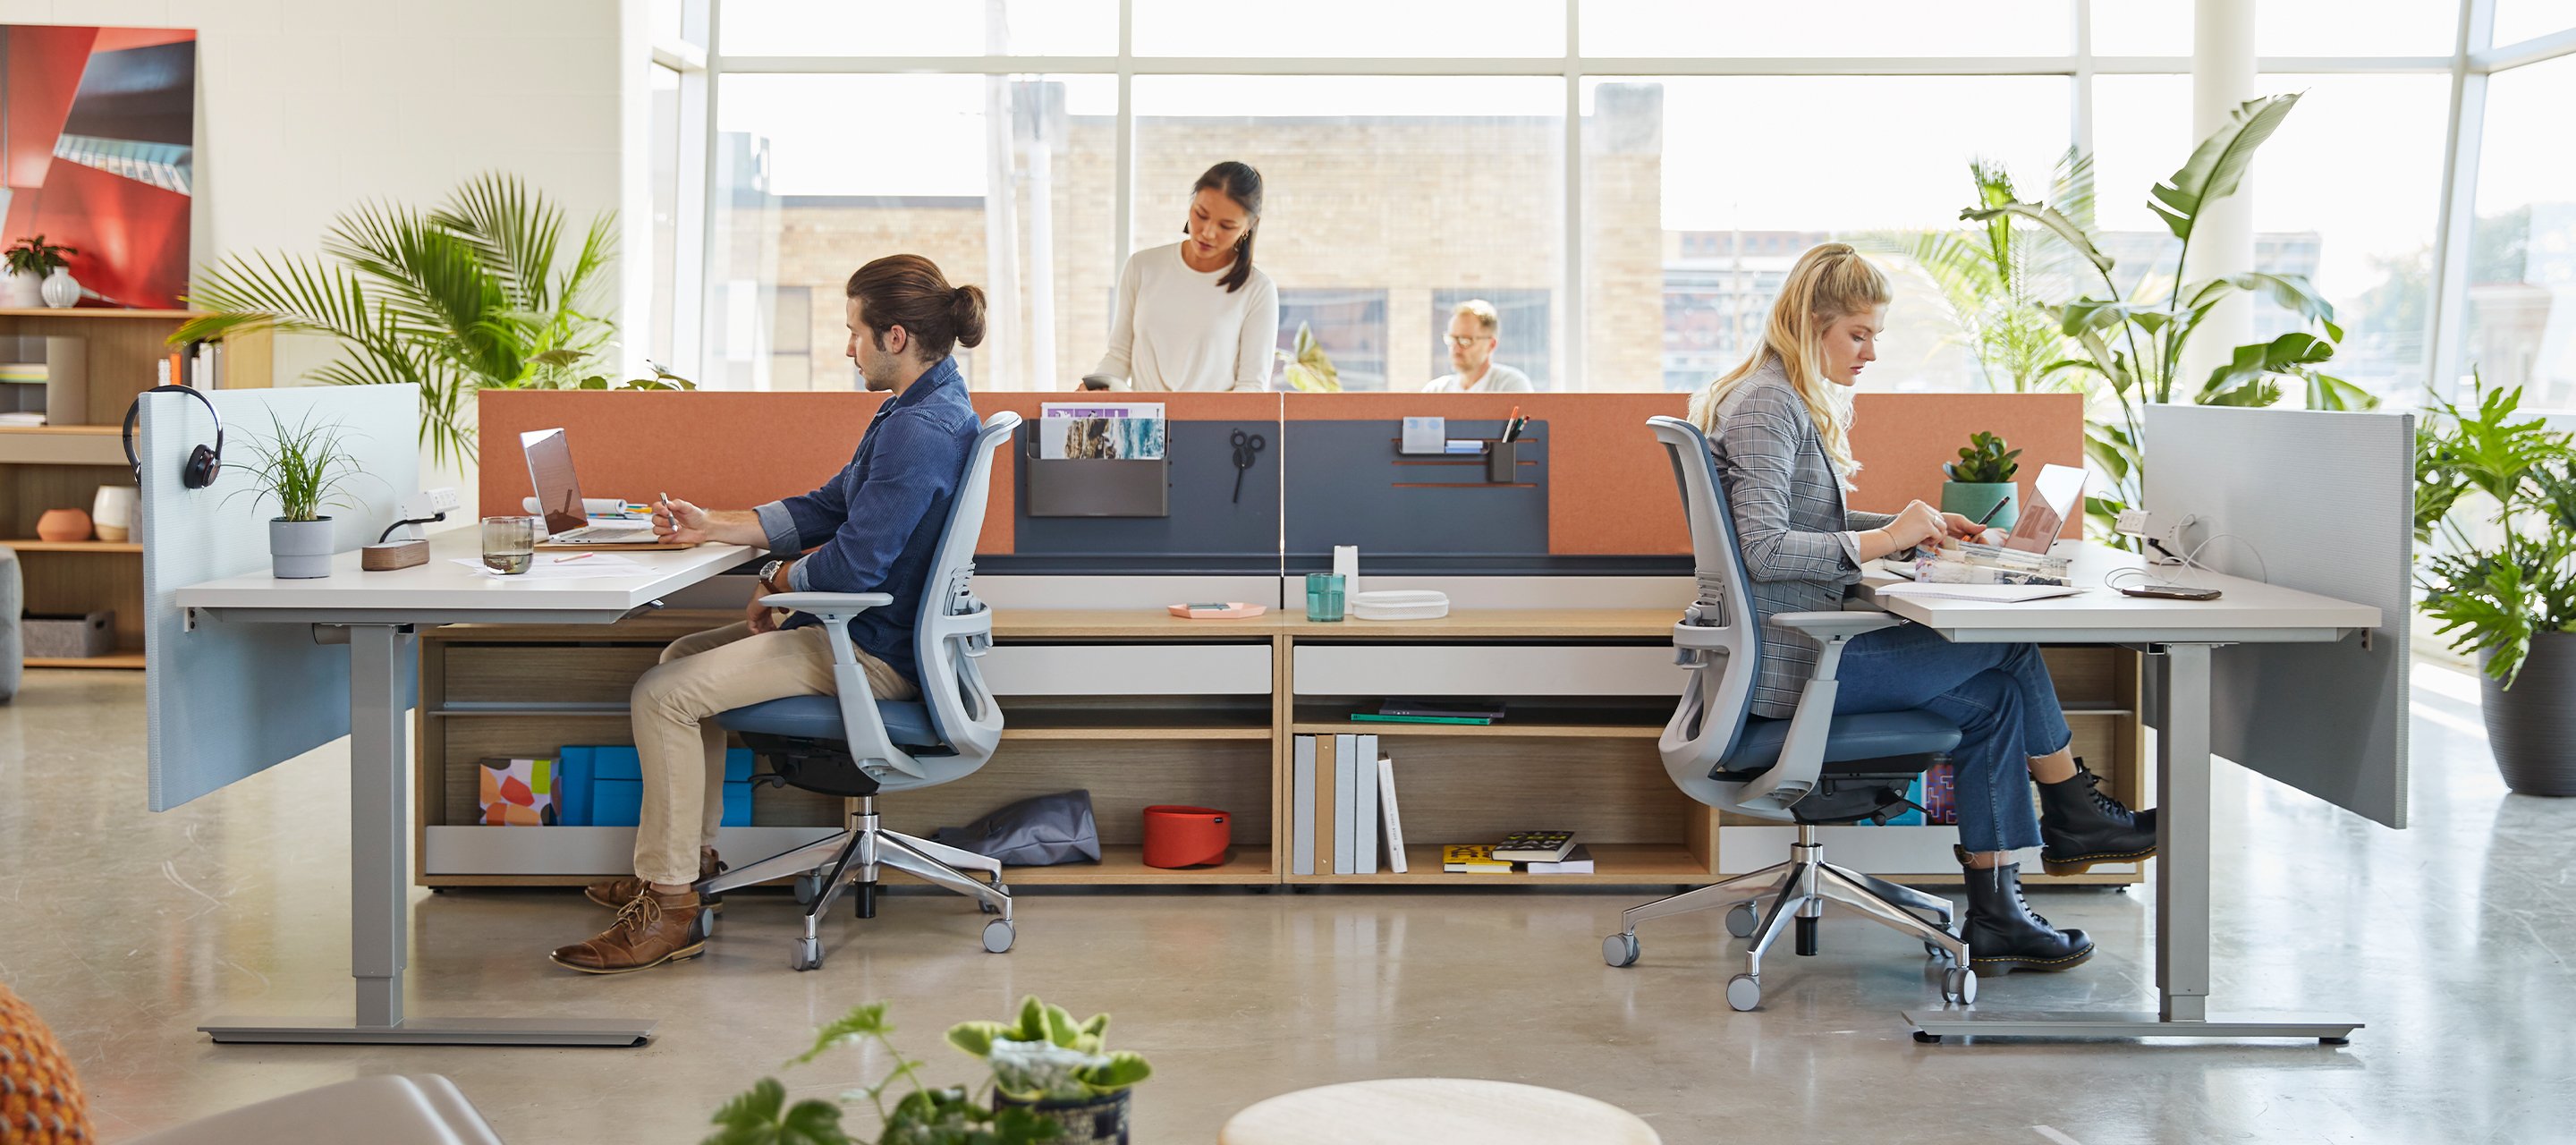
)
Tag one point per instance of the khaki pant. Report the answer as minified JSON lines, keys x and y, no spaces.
{"x":682,"y":750}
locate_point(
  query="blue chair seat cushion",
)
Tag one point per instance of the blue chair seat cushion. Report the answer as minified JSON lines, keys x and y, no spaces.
{"x":819,"y":717}
{"x":1850,"y":739}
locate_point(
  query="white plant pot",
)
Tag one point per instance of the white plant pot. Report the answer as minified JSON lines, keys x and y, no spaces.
{"x":112,"y":512}
{"x":60,"y":290}
{"x":22,"y":291}
{"x":299,"y":550}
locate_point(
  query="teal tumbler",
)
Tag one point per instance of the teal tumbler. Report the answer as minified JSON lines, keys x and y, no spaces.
{"x":1324,"y":597}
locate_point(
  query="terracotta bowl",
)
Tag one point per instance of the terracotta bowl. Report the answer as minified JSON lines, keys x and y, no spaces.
{"x":63,"y":525}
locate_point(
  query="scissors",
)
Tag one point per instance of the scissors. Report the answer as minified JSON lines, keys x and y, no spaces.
{"x":1246,"y":445}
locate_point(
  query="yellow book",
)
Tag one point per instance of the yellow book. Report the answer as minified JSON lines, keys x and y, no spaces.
{"x":1472,"y":859}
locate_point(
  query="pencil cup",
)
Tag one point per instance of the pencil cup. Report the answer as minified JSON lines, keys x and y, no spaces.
{"x":1502,"y":462}
{"x":1323,"y":598}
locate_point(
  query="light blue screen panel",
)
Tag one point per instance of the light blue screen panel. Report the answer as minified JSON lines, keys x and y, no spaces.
{"x":230,"y":698}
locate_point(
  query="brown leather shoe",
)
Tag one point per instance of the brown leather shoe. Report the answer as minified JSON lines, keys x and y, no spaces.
{"x":616,"y":893}
{"x":651,"y":929}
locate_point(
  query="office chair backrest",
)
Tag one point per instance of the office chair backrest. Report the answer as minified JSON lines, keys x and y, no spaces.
{"x":954,"y":628}
{"x":1725,"y":641}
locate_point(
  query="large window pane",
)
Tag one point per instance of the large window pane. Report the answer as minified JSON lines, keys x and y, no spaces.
{"x":1002,"y":181}
{"x":2519,"y":20}
{"x":2522,"y":252}
{"x":911,"y":28}
{"x":1699,"y":193}
{"x":664,"y":90}
{"x":2356,"y":27}
{"x":1352,"y":28}
{"x":1521,"y":339}
{"x":1666,"y":28}
{"x":1382,"y":188}
{"x":2142,"y":27}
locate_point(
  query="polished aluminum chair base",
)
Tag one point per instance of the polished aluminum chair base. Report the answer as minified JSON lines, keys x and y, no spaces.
{"x":825,"y":867}
{"x":1799,"y":889}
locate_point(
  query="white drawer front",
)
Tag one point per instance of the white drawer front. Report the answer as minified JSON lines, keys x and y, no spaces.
{"x":1128,"y":669}
{"x":1486,"y":670}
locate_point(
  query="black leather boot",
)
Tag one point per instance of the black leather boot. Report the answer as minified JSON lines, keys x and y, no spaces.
{"x":2002,"y":933}
{"x":2079,"y":826}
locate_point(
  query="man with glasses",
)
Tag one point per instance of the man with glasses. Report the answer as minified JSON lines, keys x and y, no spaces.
{"x":1475,"y":330}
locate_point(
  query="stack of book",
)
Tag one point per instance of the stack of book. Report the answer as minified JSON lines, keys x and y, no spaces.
{"x":1449,"y":711}
{"x":1534,"y":852}
{"x":1343,"y":805}
{"x":1970,"y":563}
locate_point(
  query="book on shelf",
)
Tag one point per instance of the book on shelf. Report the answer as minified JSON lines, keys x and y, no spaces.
{"x":1331,"y":856}
{"x":1472,"y":859}
{"x":1576,"y":862}
{"x":1384,"y":718}
{"x":1386,"y":804}
{"x":1440,"y":709}
{"x":1301,"y":842}
{"x":1535,"y":846}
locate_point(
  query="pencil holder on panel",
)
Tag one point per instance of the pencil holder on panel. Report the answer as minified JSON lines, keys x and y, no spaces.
{"x":1502,"y":462}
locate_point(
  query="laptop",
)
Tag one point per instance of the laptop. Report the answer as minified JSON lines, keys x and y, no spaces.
{"x":559,"y":496}
{"x":2060,"y":490}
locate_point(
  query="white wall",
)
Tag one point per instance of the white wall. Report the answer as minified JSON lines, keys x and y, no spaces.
{"x":305,"y":107}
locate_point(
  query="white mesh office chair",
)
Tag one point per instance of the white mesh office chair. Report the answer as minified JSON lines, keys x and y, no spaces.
{"x":855,"y":745}
{"x":1812,"y":768}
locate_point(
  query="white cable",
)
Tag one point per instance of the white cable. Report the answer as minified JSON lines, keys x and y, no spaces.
{"x":2192,"y":558}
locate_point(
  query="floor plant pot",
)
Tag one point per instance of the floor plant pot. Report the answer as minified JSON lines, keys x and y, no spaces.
{"x":1099,"y":1121}
{"x":2531,"y":726}
{"x":299,"y":550}
{"x":1972,"y":499}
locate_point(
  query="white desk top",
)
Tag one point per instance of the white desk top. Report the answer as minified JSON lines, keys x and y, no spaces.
{"x":2246,"y":610}
{"x":443,"y":589}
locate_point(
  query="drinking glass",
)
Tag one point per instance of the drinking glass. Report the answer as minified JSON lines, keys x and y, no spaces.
{"x":1324,"y":597}
{"x":509,"y":544}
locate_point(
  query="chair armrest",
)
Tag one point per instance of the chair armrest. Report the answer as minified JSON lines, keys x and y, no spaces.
{"x":1837,"y":625}
{"x":828,"y":603}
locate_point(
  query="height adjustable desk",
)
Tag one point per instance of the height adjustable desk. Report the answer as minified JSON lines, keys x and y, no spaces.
{"x":377,"y":615}
{"x":2179,"y":634}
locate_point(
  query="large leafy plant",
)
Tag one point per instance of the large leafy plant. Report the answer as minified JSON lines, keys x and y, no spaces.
{"x":2132,"y":345}
{"x":2514,"y":479}
{"x":1996,"y":279}
{"x":482,"y":290}
{"x":762,"y":1115}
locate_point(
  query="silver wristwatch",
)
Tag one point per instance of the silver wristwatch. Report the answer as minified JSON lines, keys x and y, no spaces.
{"x":769,"y":574}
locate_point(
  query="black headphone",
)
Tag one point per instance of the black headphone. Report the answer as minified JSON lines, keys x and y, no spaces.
{"x":204,"y":463}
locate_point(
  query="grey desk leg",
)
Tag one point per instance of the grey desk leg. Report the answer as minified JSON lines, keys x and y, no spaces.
{"x":2182,"y":905}
{"x":379,"y":878}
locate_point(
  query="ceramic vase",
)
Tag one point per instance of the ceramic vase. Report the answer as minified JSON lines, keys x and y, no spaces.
{"x":63,"y":525}
{"x":2531,"y":726}
{"x":22,"y":291}
{"x":299,"y":550}
{"x":112,"y":512}
{"x":60,"y":290}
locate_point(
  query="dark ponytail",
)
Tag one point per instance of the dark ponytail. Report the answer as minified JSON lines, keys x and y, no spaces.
{"x":907,"y":290}
{"x":1241,"y":183}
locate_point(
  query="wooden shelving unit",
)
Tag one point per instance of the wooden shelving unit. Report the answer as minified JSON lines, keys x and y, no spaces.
{"x":1568,"y":762}
{"x":62,"y":466}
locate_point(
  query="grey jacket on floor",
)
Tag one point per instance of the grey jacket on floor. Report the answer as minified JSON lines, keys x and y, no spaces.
{"x":1801,"y":548}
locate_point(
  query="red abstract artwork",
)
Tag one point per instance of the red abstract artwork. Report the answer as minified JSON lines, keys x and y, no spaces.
{"x":98,"y":153}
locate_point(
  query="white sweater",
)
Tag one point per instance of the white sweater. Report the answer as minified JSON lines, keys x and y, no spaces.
{"x":1178,"y":329}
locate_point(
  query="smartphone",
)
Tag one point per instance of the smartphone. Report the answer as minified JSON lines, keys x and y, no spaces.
{"x":2169,"y":592}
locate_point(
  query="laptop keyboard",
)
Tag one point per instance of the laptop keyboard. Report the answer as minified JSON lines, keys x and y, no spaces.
{"x":599,"y":533}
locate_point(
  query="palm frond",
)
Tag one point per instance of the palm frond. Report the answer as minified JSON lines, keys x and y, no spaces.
{"x":516,"y":230}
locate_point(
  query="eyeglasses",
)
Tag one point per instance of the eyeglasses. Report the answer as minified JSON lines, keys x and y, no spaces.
{"x":1462,"y":341}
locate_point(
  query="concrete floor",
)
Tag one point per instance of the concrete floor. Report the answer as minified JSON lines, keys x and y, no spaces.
{"x":125,"y":928}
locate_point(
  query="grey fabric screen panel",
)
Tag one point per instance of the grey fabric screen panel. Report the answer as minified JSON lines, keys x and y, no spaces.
{"x":230,"y":699}
{"x":1204,"y":529}
{"x":2324,"y":503}
{"x":1348,"y":485}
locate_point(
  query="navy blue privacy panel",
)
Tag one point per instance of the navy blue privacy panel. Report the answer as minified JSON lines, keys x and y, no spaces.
{"x":1348,"y":485}
{"x":1206,"y":529}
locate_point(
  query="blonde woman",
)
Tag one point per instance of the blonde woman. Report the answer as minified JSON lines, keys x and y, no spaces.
{"x":1779,"y":428}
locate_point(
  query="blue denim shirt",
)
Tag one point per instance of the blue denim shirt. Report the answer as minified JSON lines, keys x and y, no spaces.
{"x":877,"y":522}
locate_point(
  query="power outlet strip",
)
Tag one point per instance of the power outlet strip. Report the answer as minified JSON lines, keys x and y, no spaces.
{"x":2162,"y":532}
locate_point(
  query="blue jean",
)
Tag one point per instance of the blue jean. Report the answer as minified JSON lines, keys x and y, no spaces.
{"x":1999,"y":695}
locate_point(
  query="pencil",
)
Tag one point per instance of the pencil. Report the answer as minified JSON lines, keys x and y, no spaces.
{"x":569,"y":560}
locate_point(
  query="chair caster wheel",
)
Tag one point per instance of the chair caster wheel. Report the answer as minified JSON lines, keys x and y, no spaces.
{"x":808,"y":955}
{"x":1959,"y":984}
{"x":1742,"y":919}
{"x":1743,"y":992}
{"x":1619,"y":950}
{"x":997,"y":936}
{"x":809,"y":887}
{"x":1929,"y":1039}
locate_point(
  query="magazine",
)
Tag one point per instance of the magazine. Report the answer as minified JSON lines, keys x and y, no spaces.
{"x":1087,"y":431}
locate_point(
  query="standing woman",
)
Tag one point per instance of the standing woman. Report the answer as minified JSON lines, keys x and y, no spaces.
{"x":1778,"y":425}
{"x":1196,"y":315}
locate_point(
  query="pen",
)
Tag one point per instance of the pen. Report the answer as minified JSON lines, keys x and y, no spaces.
{"x":1512,"y":425}
{"x":666,"y":507}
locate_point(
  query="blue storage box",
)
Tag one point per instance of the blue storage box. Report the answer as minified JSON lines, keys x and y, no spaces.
{"x":603,"y":786}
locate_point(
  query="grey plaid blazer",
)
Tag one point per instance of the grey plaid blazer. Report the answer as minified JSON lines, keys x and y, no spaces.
{"x":1797,"y":538}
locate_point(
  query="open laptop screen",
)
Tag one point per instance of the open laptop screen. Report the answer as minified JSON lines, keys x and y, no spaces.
{"x":550,"y":471}
{"x":2060,"y":489}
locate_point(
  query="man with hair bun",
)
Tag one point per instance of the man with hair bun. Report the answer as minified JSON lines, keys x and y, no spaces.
{"x":869,"y":529}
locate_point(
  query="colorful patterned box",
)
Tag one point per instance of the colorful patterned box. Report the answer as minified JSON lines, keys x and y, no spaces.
{"x":518,"y":792}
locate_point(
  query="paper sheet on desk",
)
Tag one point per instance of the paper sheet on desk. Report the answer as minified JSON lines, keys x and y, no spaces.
{"x":2000,"y":593}
{"x":567,"y":566}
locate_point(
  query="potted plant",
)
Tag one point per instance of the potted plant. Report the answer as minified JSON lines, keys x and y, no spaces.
{"x":1309,"y":370}
{"x":1059,"y":1070}
{"x":2503,"y":584}
{"x":302,"y":468}
{"x":1981,"y":482}
{"x":35,"y":269}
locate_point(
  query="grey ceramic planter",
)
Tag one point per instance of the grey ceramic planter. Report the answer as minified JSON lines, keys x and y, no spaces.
{"x":2531,"y":726}
{"x":299,"y":550}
